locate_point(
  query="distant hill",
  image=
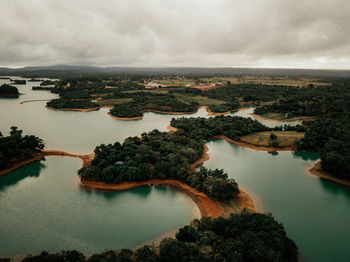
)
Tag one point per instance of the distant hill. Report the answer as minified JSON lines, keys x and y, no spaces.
{"x":59,"y":70}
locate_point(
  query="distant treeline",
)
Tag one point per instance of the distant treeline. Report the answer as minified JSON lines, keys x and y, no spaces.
{"x":241,"y":237}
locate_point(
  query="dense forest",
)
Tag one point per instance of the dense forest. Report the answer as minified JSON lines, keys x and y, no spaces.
{"x":241,"y":237}
{"x":157,"y":155}
{"x":331,"y":138}
{"x":146,"y":101}
{"x":68,"y":103}
{"x":8,"y":90}
{"x":16,"y":147}
{"x":327,"y":101}
{"x":231,"y":126}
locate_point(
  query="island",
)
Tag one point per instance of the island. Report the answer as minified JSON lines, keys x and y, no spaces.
{"x":9,"y":91}
{"x":240,"y":237}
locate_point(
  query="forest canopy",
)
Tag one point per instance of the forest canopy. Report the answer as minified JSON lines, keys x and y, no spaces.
{"x":15,"y":147}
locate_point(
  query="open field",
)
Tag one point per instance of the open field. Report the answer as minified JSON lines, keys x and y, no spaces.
{"x":284,"y":138}
{"x":118,"y":101}
{"x":266,"y":80}
{"x":202,"y":100}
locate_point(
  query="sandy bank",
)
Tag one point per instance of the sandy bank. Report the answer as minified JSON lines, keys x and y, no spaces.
{"x":125,"y":118}
{"x":317,"y":171}
{"x":34,"y":100}
{"x":255,"y":147}
{"x":283,"y":120}
{"x":75,"y":109}
{"x":85,"y":158}
{"x":206,"y":205}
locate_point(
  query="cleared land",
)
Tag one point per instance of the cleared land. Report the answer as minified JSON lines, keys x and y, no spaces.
{"x":283,"y":139}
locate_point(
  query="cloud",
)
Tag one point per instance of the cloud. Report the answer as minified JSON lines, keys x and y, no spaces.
{"x":252,"y":33}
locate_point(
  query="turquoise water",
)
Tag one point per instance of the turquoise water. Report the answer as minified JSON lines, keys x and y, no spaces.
{"x":42,"y":205}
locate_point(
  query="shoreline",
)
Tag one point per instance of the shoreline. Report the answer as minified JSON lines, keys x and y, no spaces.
{"x":317,"y":171}
{"x":211,"y":113}
{"x":206,"y":205}
{"x":85,"y":158}
{"x":75,"y":109}
{"x":283,"y":120}
{"x":34,"y":100}
{"x":251,"y":146}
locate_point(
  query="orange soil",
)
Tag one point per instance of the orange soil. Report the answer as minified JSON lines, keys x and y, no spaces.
{"x":317,"y":171}
{"x":35,"y":100}
{"x":171,"y":128}
{"x":283,"y":120}
{"x":207,"y":206}
{"x":75,"y":109}
{"x":86,"y":159}
{"x":204,"y":157}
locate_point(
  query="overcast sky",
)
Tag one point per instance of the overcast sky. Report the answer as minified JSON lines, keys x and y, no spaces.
{"x":210,"y":33}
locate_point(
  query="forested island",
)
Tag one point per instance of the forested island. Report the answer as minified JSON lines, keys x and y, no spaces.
{"x":241,"y":237}
{"x":16,"y":148}
{"x":19,"y":81}
{"x":8,"y":91}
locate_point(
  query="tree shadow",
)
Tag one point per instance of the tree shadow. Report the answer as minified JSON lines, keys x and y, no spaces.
{"x":12,"y":178}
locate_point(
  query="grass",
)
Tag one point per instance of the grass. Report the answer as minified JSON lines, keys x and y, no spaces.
{"x":284,"y":138}
{"x":244,"y":80}
{"x":202,"y":100}
{"x":117,"y":101}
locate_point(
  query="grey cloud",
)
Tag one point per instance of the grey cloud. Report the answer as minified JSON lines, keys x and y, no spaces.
{"x":270,"y":33}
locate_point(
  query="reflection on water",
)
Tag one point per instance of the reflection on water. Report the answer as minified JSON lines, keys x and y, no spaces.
{"x":30,"y":170}
{"x":306,"y":155}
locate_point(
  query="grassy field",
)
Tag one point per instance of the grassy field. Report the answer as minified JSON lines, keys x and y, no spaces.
{"x":243,"y":80}
{"x":202,"y":100}
{"x":108,"y":102}
{"x":284,"y":138}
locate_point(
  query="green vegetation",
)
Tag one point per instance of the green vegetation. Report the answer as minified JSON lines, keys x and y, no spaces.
{"x":19,"y":82}
{"x":279,"y":138}
{"x":232,"y":127}
{"x":16,"y":148}
{"x":8,"y":90}
{"x":159,"y":155}
{"x":145,"y":101}
{"x":68,"y":103}
{"x":331,"y":138}
{"x":241,"y":237}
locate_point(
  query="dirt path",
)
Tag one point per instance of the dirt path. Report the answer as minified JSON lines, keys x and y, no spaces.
{"x":86,"y":159}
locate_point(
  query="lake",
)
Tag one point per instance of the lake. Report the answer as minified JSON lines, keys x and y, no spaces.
{"x":43,"y":207}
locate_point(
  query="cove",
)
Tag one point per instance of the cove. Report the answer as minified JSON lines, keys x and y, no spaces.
{"x":315,"y":212}
{"x":44,"y":207}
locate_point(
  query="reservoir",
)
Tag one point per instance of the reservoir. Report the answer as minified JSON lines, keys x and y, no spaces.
{"x":43,"y":206}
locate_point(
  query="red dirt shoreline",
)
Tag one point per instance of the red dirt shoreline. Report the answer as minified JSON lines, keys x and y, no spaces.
{"x":283,"y":120}
{"x":317,"y":171}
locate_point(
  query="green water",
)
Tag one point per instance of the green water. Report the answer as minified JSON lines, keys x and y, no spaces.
{"x":314,"y":212}
{"x":42,"y":206}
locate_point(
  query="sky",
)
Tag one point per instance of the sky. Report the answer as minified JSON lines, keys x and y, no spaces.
{"x":179,"y":33}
